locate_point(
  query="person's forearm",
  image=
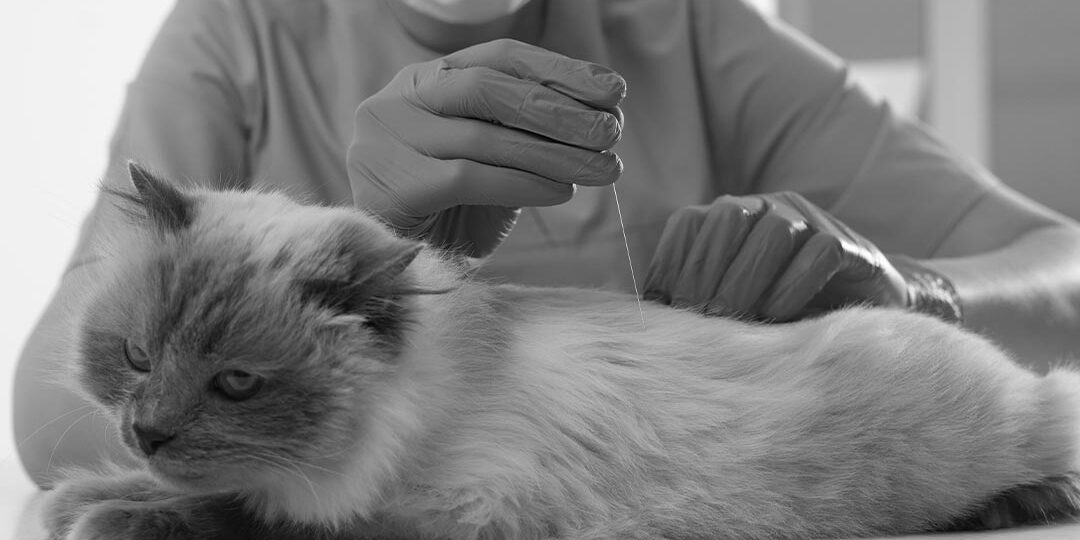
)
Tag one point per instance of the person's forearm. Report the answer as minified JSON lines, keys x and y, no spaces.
{"x":55,"y":427}
{"x":1025,"y":296}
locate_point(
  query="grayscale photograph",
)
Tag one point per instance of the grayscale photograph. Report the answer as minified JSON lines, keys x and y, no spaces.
{"x":540,"y":270}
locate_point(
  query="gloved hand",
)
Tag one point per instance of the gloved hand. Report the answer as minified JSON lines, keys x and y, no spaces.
{"x":770,"y":256}
{"x":451,"y":149}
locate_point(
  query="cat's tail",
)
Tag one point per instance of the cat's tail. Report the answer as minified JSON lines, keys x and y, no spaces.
{"x":1052,"y":450}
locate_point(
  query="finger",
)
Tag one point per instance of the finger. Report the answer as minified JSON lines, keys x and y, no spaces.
{"x":476,"y":140}
{"x":487,"y":94}
{"x":483,"y":184}
{"x":763,"y":256}
{"x":810,"y":270}
{"x":666,"y":265}
{"x":728,"y":222}
{"x":583,"y":81}
{"x":448,"y":183}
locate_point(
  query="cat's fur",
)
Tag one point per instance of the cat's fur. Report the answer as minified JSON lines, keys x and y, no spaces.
{"x":403,"y":399}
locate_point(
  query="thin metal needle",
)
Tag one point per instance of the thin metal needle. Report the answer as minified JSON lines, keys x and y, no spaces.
{"x":630,"y":261}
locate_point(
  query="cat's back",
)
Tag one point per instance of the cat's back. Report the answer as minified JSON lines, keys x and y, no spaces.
{"x":587,"y":414}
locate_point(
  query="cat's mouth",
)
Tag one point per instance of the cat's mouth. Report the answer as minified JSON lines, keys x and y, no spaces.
{"x":169,"y":463}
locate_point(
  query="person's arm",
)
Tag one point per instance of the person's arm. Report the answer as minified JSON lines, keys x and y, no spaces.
{"x":1016,"y":269}
{"x":183,"y":116}
{"x":785,"y":115}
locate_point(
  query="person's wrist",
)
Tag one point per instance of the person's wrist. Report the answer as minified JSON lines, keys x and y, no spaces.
{"x":929,"y":291}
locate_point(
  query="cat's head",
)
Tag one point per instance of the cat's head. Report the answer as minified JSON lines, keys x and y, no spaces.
{"x":238,"y":337}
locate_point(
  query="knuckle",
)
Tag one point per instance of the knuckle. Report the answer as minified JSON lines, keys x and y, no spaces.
{"x":408,"y":75}
{"x":460,"y":173}
{"x":729,"y":210}
{"x":673,"y":222}
{"x":773,"y":222}
{"x":503,"y":47}
{"x":827,"y":249}
{"x":684,"y":215}
{"x":744,"y":207}
{"x":830,"y":243}
{"x":726,"y":201}
{"x":408,"y":83}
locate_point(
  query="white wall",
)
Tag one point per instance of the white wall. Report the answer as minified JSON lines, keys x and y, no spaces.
{"x":1035,"y":99}
{"x":765,"y":6}
{"x":64,"y":65}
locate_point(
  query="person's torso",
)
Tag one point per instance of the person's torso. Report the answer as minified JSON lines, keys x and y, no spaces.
{"x":318,"y":59}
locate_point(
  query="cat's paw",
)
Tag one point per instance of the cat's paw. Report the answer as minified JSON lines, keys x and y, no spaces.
{"x":72,"y":498}
{"x":138,"y":520}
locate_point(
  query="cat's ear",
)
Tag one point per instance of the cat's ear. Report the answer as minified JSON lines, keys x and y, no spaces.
{"x":372,"y":280}
{"x":401,"y":255}
{"x":167,"y":207}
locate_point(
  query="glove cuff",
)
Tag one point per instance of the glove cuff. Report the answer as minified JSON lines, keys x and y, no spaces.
{"x":928,"y":291}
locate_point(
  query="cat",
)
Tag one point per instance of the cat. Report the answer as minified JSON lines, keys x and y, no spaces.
{"x":292,"y":371}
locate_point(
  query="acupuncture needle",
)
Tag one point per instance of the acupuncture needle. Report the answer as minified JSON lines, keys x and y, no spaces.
{"x":629,"y":260}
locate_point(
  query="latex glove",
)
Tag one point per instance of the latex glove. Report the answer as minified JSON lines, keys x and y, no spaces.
{"x":451,"y":149}
{"x":773,"y":256}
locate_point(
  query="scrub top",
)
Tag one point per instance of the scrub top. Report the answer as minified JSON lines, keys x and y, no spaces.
{"x":720,"y":101}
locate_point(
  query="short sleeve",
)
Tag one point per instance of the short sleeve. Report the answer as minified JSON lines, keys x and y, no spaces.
{"x":187,"y":114}
{"x":787,"y":116}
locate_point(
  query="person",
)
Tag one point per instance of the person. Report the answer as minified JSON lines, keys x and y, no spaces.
{"x":755,"y":178}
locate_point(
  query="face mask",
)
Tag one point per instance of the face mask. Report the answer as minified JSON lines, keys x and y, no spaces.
{"x":466,"y":11}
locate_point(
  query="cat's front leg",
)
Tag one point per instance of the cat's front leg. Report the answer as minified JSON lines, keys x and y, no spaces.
{"x":126,"y":505}
{"x":70,"y":499}
{"x":132,"y":505}
{"x":176,"y":518}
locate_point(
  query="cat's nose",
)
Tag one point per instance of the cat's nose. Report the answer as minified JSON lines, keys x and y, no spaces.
{"x":150,"y":438}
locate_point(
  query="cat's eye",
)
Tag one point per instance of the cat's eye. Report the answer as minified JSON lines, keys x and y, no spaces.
{"x":136,"y":356}
{"x":238,"y":385}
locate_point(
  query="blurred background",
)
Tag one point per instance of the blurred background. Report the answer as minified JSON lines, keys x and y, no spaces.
{"x":999,"y":79}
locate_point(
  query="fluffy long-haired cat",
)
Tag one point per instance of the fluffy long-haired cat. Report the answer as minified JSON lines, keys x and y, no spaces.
{"x":290,"y":371}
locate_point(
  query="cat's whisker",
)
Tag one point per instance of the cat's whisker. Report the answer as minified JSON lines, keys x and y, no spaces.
{"x":310,"y":484}
{"x":297,"y":464}
{"x":51,"y":422}
{"x":48,"y":465}
{"x":270,"y":459}
{"x":110,"y":425}
{"x":275,"y":465}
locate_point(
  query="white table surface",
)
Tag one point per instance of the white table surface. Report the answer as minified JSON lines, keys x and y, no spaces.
{"x":19,"y":520}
